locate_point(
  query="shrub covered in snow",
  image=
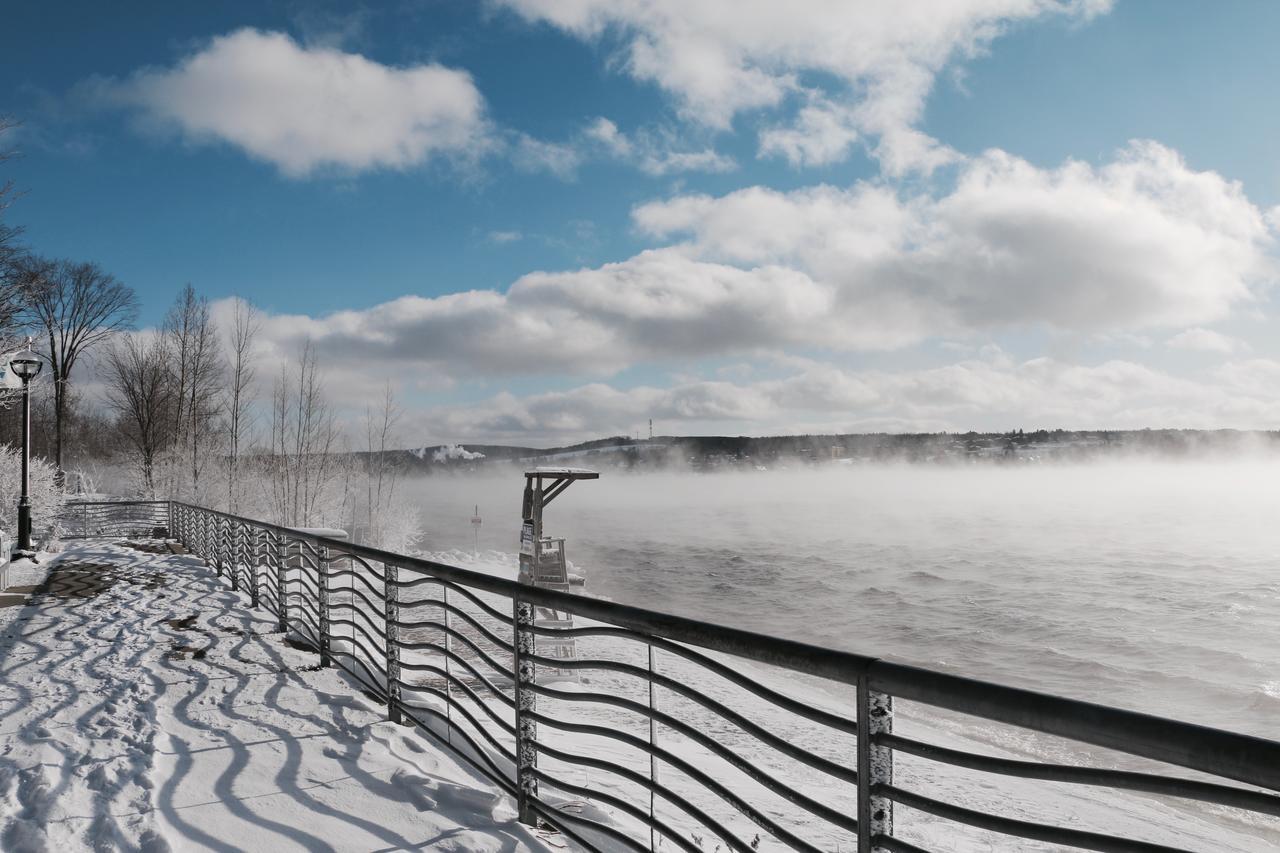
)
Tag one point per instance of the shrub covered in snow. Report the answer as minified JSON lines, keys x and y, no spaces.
{"x":46,"y":497}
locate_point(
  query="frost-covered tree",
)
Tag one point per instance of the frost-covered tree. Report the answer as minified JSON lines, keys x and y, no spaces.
{"x":194,"y":357}
{"x":240,"y":396}
{"x":139,"y":389}
{"x":46,"y":495}
{"x":389,"y":522}
{"x":305,"y":469}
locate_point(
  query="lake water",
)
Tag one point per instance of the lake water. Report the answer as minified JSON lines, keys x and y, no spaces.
{"x":1151,"y":586}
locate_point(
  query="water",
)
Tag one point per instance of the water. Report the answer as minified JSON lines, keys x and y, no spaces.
{"x":1150,"y":586}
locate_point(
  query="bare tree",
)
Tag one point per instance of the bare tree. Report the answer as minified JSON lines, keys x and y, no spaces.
{"x":196,"y":364}
{"x":304,"y":468}
{"x":140,"y":390}
{"x":76,"y":306}
{"x":391,"y":523}
{"x":241,"y":391}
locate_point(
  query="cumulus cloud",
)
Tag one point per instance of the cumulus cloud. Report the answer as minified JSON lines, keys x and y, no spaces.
{"x":1141,"y":243}
{"x":719,"y":58}
{"x":1204,"y":340}
{"x":655,"y":306}
{"x":305,"y":108}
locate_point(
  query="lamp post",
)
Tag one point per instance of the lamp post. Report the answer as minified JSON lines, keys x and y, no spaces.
{"x":26,"y":366}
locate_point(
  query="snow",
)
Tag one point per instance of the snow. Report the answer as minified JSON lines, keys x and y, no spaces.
{"x":145,"y":706}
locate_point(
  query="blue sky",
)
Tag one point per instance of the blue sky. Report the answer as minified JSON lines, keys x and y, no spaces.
{"x":549,"y":220}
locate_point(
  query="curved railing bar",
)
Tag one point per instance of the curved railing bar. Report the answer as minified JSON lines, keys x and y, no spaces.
{"x":1242,"y":758}
{"x":488,"y":608}
{"x":337,"y":574}
{"x":895,"y":845}
{"x":367,"y":681}
{"x":355,"y":558}
{"x":506,"y":725}
{"x":622,"y":805}
{"x":364,"y":576}
{"x":666,"y":793}
{"x":554,"y":816}
{"x":375,"y":607}
{"x":302,"y":579}
{"x":370,"y":622}
{"x":800,"y":709}
{"x":466,"y":715}
{"x":1208,"y":792}
{"x":689,"y":731}
{"x":1021,"y":828}
{"x":493,"y":664}
{"x":465,"y":664}
{"x":374,"y":659}
{"x":752,"y":728}
{"x":786,"y":792}
{"x":494,"y":773}
{"x":469,"y":619}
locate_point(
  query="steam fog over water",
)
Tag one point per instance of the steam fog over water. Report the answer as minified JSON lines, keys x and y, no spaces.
{"x":1152,"y":586}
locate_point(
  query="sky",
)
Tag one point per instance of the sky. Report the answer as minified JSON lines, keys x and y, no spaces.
{"x":550,"y":220}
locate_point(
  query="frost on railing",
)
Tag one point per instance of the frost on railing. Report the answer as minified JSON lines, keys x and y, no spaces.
{"x":669,"y":733}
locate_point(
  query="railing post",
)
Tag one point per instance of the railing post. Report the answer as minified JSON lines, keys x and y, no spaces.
{"x":322,"y":583}
{"x":282,"y":560}
{"x":255,"y":562}
{"x":233,"y":553}
{"x":875,"y":765}
{"x":391,"y":615}
{"x":219,"y":541}
{"x":526,"y":727}
{"x":653,"y":758}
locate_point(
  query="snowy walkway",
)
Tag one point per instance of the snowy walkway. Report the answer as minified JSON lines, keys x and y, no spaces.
{"x":144,"y":706}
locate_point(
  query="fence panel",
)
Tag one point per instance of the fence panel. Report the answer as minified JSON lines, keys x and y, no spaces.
{"x":628,"y":728}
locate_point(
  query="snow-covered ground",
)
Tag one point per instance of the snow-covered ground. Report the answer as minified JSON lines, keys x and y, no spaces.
{"x":145,"y":706}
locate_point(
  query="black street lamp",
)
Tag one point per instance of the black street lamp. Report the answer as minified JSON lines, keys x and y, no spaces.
{"x":25,"y":367}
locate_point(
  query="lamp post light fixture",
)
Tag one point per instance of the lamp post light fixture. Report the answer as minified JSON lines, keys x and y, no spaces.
{"x":26,"y":366}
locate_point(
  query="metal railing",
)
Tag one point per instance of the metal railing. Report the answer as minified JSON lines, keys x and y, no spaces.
{"x":84,"y":519}
{"x":637,"y":729}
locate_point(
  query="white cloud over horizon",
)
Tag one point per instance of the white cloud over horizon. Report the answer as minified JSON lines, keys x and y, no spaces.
{"x":982,"y":394}
{"x":305,"y":108}
{"x":1139,"y":243}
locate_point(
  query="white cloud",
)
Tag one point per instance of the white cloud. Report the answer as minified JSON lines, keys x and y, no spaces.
{"x":501,"y":237}
{"x":536,"y":155}
{"x":305,"y":108}
{"x":822,"y":133}
{"x":719,"y":58}
{"x":1204,"y":340}
{"x":1141,"y":242}
{"x":654,"y":153}
{"x":991,"y":394}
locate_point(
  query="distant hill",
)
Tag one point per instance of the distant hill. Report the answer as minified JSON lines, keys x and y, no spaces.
{"x":720,"y":451}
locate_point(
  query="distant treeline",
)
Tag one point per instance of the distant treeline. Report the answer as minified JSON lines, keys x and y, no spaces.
{"x":722,"y":451}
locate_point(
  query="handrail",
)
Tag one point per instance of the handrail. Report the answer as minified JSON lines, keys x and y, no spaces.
{"x":463,"y":636}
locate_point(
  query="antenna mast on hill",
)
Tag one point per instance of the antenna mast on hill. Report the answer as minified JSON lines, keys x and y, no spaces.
{"x":651,"y":429}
